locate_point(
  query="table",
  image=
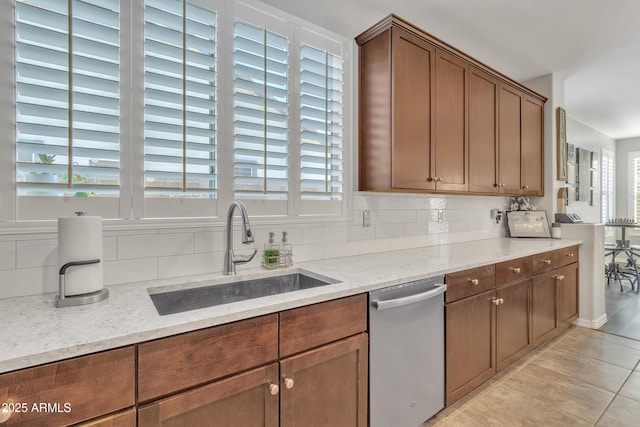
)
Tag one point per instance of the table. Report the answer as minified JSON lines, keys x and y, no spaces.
{"x":630,"y":270}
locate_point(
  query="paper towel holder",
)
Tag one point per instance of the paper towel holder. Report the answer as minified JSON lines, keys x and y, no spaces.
{"x":67,"y":301}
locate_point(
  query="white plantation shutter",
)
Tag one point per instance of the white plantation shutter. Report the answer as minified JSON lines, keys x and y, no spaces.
{"x":608,"y":162}
{"x":261,"y":118}
{"x":180,"y":100}
{"x":321,"y":122}
{"x":67,"y":97}
{"x":636,"y":187}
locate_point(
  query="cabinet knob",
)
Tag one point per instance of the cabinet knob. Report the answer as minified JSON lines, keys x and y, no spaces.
{"x":503,"y":185}
{"x":570,"y":255}
{"x":273,"y":389}
{"x":474,"y":281}
{"x":559,"y":277}
{"x":496,"y":185}
{"x":546,"y":261}
{"x":288,"y":383}
{"x":501,"y":301}
{"x":515,"y":269}
{"x":495,"y":301}
{"x":526,"y":187}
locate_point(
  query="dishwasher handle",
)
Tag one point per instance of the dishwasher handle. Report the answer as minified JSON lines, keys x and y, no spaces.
{"x":399,"y":302}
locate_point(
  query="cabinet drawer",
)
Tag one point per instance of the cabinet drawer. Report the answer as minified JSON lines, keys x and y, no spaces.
{"x":314,"y":325}
{"x":122,"y":419}
{"x":544,"y":262}
{"x":170,"y":364}
{"x":567,"y":256}
{"x":515,"y":269}
{"x":465,"y":283}
{"x":76,"y":389}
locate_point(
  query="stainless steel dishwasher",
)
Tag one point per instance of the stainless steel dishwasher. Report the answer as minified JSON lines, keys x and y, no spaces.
{"x":406,"y":353}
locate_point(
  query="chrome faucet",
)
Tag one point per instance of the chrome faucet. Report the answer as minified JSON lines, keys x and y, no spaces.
{"x":230,"y":260}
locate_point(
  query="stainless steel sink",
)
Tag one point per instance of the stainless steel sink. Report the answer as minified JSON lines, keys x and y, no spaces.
{"x":172,"y":302}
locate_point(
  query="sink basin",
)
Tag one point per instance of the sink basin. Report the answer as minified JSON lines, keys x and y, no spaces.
{"x":172,"y":302}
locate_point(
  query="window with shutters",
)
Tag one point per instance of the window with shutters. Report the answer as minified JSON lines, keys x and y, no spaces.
{"x":67,"y":110}
{"x":180,"y":105}
{"x":171,"y":108}
{"x":634,"y":186}
{"x":608,"y":188}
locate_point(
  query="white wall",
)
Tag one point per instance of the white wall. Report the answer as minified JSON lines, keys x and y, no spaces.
{"x":583,"y":136}
{"x":28,"y":260}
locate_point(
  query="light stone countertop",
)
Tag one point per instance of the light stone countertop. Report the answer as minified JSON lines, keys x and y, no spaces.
{"x":35,"y":332}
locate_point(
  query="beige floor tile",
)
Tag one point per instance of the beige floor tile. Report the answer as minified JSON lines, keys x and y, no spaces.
{"x":621,"y":413}
{"x":584,"y":369}
{"x":631,"y":388}
{"x":560,"y":392}
{"x":600,"y":346}
{"x":506,"y":406}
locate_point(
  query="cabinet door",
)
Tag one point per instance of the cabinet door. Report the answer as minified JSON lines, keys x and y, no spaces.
{"x":509,"y":140}
{"x":122,"y":419}
{"x":513,"y":332}
{"x":544,"y":320}
{"x":249,"y":399}
{"x":470,"y":344}
{"x":568,"y":280}
{"x":449,"y":160}
{"x":413,"y":80}
{"x":483,"y":131}
{"x":326,"y":386}
{"x":532,"y":147}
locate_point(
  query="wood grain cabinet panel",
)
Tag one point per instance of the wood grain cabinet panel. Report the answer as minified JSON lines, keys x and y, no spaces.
{"x":546,"y":261}
{"x":509,"y":134}
{"x":483,"y":131}
{"x":568,"y":255}
{"x":532,"y":146}
{"x":462,"y":284}
{"x":314,"y":325}
{"x":122,"y":419}
{"x":568,"y":294}
{"x":73,"y":390}
{"x":544,"y":300}
{"x":513,"y":270}
{"x":448,"y":166}
{"x":513,"y":325}
{"x":326,"y":386}
{"x":247,"y":399}
{"x":470,"y":344}
{"x":175,"y":363}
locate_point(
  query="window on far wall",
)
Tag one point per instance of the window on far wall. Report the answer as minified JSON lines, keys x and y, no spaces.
{"x":608,"y":188}
{"x":634,"y":186}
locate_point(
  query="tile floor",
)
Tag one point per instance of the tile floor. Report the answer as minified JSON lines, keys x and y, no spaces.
{"x":583,"y":377}
{"x":623,"y":311}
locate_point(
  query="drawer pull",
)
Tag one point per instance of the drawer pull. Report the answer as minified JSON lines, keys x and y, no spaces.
{"x":288,"y":383}
{"x":497,"y":301}
{"x":273,"y":389}
{"x":570,"y":255}
{"x":559,"y":277}
{"x":474,"y":282}
{"x":515,"y":269}
{"x":546,"y":261}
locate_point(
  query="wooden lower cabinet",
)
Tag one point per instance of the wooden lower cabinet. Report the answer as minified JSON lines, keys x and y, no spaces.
{"x":470,"y":344}
{"x":513,"y":326}
{"x":568,"y":280}
{"x":544,"y":318}
{"x":122,"y":419}
{"x":326,"y":386}
{"x":248,"y":399}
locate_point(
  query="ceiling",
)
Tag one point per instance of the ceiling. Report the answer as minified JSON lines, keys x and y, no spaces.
{"x":591,"y":45}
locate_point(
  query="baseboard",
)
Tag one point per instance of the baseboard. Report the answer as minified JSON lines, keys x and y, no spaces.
{"x":592,"y":324}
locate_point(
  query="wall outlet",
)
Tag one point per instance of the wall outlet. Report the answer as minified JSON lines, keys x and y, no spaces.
{"x":366,"y":218}
{"x":440,"y":215}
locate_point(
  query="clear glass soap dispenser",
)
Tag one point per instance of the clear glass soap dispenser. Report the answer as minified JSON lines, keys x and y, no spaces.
{"x":286,"y":252}
{"x":271,"y":257}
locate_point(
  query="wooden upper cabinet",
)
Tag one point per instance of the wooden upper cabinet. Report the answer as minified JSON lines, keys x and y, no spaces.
{"x":412,"y":111}
{"x":449,"y":159}
{"x":433,"y":119}
{"x":532,"y":146}
{"x":509,"y":134}
{"x":483,"y":131}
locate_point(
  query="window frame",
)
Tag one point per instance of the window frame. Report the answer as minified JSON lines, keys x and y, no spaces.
{"x":132,"y":205}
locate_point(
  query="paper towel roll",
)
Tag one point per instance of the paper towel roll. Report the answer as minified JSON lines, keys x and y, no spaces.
{"x":80,"y":239}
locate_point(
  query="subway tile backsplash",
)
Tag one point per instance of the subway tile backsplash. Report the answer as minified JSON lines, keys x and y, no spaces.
{"x":28,"y":263}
